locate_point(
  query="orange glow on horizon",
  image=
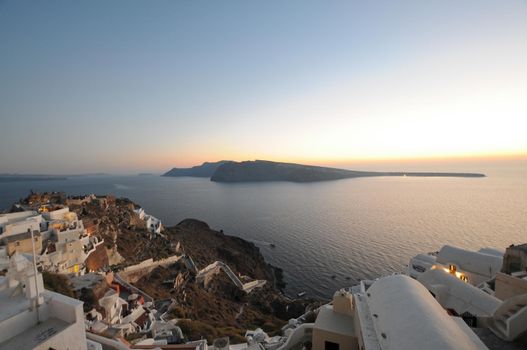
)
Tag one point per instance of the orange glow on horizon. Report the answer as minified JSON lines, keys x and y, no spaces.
{"x":168,"y":161}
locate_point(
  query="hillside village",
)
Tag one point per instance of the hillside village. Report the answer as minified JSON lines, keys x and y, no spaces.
{"x":102,"y":247}
{"x":97,"y":272}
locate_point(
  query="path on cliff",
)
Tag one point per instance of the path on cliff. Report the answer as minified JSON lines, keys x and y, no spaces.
{"x":216,"y":266}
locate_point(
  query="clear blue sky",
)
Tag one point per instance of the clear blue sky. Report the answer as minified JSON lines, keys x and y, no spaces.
{"x":88,"y":86}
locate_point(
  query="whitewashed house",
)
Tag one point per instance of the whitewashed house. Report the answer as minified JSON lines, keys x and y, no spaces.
{"x":153,"y":224}
{"x":19,"y":222}
{"x":470,"y":266}
{"x":32,"y":317}
{"x":394,"y":312}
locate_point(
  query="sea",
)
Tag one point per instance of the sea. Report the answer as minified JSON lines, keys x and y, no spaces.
{"x":330,"y":235}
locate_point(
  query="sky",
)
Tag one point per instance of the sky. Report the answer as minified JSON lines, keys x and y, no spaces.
{"x":133,"y":86}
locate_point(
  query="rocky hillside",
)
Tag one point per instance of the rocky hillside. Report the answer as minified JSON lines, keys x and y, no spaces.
{"x":126,"y":237}
{"x":219,"y":304}
{"x":214,"y":307}
{"x":205,"y":245}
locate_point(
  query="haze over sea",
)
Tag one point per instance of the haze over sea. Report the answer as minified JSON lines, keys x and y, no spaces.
{"x":354,"y":228}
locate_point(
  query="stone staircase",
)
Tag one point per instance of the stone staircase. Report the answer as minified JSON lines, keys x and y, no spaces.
{"x":510,"y":319}
{"x":217,"y":266}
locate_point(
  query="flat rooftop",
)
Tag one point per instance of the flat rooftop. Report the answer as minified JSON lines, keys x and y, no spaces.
{"x":334,"y":322}
{"x":36,"y":335}
{"x":11,"y":306}
{"x":10,"y":218}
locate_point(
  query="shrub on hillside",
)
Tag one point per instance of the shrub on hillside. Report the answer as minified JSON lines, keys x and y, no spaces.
{"x":196,"y":330}
{"x":58,"y":283}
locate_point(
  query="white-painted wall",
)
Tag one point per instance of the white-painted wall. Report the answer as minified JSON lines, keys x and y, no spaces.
{"x":56,"y":214}
{"x":15,"y":228}
{"x":406,"y":316}
{"x":19,"y":316}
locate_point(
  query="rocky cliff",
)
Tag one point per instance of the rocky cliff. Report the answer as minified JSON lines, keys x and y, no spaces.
{"x":204,"y":170}
{"x":219,"y":303}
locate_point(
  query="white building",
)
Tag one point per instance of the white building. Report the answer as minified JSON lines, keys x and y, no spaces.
{"x":458,"y":296}
{"x":68,"y":244}
{"x":507,"y":318}
{"x":470,"y":266}
{"x":34,"y":318}
{"x":65,"y":242}
{"x":394,"y":312}
{"x":153,"y":224}
{"x":19,"y":222}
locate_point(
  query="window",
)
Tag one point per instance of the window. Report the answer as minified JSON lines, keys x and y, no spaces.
{"x":418,"y":268}
{"x":328,"y":345}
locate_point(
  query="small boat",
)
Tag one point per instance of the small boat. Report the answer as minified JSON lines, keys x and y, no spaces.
{"x":348,"y":278}
{"x":333,"y":276}
{"x":272,"y":245}
{"x":301,"y":294}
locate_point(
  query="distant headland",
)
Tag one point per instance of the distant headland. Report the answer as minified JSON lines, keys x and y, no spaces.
{"x":206,"y":169}
{"x":263,"y":170}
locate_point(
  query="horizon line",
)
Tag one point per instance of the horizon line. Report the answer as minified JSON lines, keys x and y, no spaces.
{"x":310,"y":161}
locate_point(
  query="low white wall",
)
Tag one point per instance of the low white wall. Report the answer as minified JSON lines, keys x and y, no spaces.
{"x":303,"y":333}
{"x":150,"y":263}
{"x":17,"y":324}
{"x":72,"y":337}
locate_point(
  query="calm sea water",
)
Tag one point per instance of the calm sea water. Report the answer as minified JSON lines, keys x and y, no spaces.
{"x":351,"y":229}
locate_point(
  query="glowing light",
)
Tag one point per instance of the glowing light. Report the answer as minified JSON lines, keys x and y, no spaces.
{"x":453,"y":271}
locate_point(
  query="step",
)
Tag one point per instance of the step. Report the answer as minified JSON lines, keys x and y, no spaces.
{"x":498,"y":331}
{"x":501,"y":326}
{"x":508,"y":314}
{"x":515,"y":308}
